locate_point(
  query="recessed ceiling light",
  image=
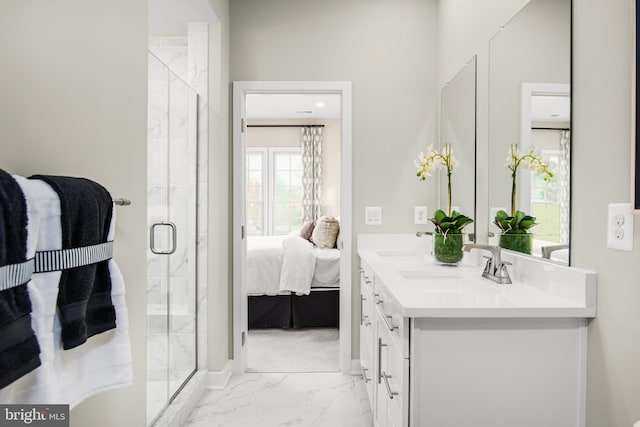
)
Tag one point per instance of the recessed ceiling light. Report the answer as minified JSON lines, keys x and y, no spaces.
{"x":320,"y":104}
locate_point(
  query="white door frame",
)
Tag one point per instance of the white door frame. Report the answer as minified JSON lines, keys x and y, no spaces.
{"x":240,"y":322}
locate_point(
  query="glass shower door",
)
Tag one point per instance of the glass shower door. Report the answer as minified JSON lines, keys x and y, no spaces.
{"x":171,"y":266}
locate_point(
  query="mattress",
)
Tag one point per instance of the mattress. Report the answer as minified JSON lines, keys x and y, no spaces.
{"x":327,"y":273}
{"x":264,"y":264}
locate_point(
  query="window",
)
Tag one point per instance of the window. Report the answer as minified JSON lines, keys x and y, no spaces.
{"x":545,"y":201}
{"x":274,"y":190}
{"x":256,"y":191}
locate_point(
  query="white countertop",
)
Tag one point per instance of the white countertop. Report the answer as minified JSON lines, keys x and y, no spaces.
{"x":421,"y":288}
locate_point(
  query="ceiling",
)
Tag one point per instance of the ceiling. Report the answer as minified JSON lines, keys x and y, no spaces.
{"x":293,"y":106}
{"x":172,"y":16}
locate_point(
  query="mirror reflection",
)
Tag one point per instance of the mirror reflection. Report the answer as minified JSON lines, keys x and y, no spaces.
{"x":458,"y":128}
{"x":529,"y":131}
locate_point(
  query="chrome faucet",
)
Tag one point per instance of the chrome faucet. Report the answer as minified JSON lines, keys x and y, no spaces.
{"x":495,"y":269}
{"x":548,"y":250}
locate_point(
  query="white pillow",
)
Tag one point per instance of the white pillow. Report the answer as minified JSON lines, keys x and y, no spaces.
{"x":325,"y":232}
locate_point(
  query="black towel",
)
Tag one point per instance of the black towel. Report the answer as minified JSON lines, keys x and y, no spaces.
{"x":84,"y":295}
{"x":19,"y":349}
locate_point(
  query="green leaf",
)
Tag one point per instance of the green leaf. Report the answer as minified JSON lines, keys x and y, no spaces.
{"x":440,"y":215}
{"x":527,"y":223}
{"x":462,"y":222}
{"x":501,"y":215}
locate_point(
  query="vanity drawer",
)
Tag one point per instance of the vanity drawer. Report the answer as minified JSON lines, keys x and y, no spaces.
{"x":368,"y":372}
{"x":392,"y":380}
{"x":367,"y":313}
{"x":391,"y":318}
{"x":396,"y":375}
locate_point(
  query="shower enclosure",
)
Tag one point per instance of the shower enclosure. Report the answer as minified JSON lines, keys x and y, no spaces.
{"x":172,"y":236}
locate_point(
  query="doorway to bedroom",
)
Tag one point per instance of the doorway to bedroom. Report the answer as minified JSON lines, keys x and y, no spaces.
{"x":292,"y":202}
{"x":290,"y":304}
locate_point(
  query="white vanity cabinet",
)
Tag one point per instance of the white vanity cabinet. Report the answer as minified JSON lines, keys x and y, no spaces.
{"x":384,"y":352}
{"x":440,"y":350}
{"x":367,"y":333}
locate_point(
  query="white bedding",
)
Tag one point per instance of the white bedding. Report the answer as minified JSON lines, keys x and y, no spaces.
{"x":265,"y":255}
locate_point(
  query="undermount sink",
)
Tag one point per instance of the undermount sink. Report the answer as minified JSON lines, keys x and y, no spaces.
{"x":401,"y":256}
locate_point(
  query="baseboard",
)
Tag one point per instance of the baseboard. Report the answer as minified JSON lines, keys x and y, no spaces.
{"x":355,"y":367}
{"x":218,"y":380}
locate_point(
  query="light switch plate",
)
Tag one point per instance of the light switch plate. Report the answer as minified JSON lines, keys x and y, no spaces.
{"x":620,"y":227}
{"x":373,"y":215}
{"x":420,"y":214}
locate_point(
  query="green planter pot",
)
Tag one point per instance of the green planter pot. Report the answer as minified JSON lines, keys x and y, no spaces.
{"x":517,"y":242}
{"x":447,"y":249}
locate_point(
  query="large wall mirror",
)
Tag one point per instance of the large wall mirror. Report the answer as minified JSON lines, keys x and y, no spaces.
{"x":458,"y":128}
{"x":529,"y":109}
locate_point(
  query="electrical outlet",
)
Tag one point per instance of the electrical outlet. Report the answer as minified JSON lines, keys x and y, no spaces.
{"x":373,"y":215}
{"x":420,"y":214}
{"x":620,"y":227}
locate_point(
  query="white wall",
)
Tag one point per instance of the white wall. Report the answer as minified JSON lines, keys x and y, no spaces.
{"x":220,"y":246}
{"x":601,"y":175}
{"x":387,"y":50}
{"x":73,"y":101}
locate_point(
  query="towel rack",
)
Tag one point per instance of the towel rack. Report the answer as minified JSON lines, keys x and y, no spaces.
{"x":122,"y":202}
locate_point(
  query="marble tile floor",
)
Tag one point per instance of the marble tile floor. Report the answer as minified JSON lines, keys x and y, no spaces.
{"x":293,"y":350}
{"x":285,"y":399}
{"x":158,"y":396}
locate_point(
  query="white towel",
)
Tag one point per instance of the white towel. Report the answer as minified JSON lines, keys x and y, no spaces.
{"x":104,"y":361}
{"x":298,"y":265}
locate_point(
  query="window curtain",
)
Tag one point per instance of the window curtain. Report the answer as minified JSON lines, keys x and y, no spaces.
{"x":564,"y":183}
{"x":312,"y":172}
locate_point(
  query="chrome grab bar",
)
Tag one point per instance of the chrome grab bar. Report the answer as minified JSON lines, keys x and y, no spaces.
{"x":364,"y":374}
{"x":387,"y":321}
{"x":362,"y":316}
{"x":380,"y":345}
{"x":376,"y":300}
{"x":386,"y":382}
{"x":174,"y":235}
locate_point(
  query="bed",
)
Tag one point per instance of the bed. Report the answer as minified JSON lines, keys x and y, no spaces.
{"x":291,"y":283}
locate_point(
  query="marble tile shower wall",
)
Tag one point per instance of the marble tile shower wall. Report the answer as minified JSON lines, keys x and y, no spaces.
{"x":157,"y":137}
{"x":187,"y":57}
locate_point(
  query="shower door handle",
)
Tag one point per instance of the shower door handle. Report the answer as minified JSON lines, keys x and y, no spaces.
{"x":152,"y":240}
